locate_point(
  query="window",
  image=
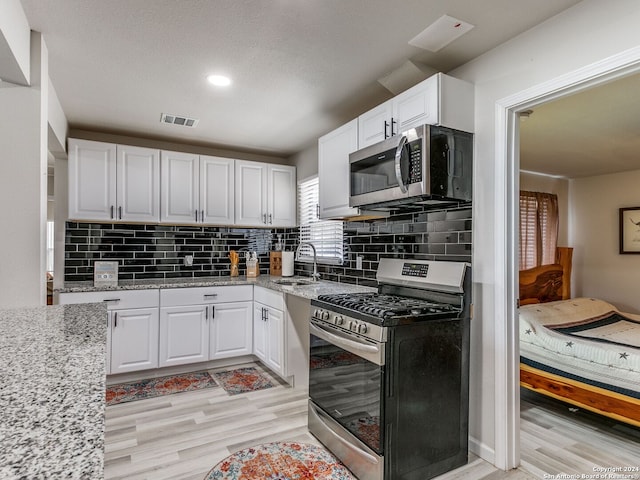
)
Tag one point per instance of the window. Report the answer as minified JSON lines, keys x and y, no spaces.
{"x":325,"y":235}
{"x":50,"y":244}
{"x":538,"y":229}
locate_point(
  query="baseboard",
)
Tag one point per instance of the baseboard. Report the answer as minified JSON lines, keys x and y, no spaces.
{"x":482,"y":450}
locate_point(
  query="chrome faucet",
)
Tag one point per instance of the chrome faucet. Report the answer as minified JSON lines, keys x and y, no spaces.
{"x":315,"y":276}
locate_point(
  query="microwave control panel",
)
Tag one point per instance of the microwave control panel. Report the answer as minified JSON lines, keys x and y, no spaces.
{"x":415,"y":161}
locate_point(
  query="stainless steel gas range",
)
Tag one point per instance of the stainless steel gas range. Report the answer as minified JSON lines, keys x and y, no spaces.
{"x":388,"y":373}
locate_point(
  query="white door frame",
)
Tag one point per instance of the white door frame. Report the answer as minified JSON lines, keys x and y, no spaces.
{"x":507,"y":381}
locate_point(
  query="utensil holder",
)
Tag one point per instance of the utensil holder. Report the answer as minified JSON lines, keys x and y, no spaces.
{"x":234,"y":269}
{"x":252,"y":269}
{"x":275,"y":263}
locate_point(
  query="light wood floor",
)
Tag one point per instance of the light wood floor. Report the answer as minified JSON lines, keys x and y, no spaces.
{"x":182,"y":436}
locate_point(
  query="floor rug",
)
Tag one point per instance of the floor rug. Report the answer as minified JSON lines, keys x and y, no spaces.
{"x":155,"y":387}
{"x":281,"y":461}
{"x":242,"y":380}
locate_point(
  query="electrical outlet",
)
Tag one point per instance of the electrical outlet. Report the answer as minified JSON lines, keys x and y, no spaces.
{"x":188,"y":260}
{"x":359,"y":262}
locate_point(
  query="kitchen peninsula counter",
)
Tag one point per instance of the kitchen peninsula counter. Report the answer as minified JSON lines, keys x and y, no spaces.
{"x":305,"y":289}
{"x":52,"y":391}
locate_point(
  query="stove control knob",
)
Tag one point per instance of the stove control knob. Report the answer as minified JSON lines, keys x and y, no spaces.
{"x":325,"y":315}
{"x":362,"y":328}
{"x":316,"y":313}
{"x":338,"y":319}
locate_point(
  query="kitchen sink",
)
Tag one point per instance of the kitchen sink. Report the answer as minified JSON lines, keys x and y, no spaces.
{"x":293,"y":281}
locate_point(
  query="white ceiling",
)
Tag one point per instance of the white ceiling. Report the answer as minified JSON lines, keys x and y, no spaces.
{"x":299,"y":67}
{"x":594,"y":132}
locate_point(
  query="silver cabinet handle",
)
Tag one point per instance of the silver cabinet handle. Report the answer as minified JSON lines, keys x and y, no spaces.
{"x":115,"y":319}
{"x":206,"y":313}
{"x":111,"y":300}
{"x":213,"y":312}
{"x":196,"y":215}
{"x":119,"y":213}
{"x":386,"y":124}
{"x":264,"y":218}
{"x":210,"y":295}
{"x":393,"y":122}
{"x":202,"y":215}
{"x":112,"y":212}
{"x":270,"y":219}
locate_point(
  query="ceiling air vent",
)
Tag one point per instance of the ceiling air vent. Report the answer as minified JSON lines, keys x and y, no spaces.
{"x":178,"y":120}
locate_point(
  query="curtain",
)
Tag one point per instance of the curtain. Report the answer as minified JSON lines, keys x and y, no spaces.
{"x":538,"y":229}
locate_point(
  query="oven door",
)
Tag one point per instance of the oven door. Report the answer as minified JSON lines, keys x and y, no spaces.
{"x":346,"y":381}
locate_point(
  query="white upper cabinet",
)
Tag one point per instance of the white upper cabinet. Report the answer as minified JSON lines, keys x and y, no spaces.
{"x":333,"y":170}
{"x":217,"y":179}
{"x":92,"y":180}
{"x":113,"y":182}
{"x":375,"y":125}
{"x":138,"y":184}
{"x":180,"y":174}
{"x":438,"y":100}
{"x":281,"y":196}
{"x":265,"y":194}
{"x":197,"y":189}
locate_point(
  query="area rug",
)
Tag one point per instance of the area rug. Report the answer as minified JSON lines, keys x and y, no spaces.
{"x":155,"y":387}
{"x":242,"y":380}
{"x":280,"y":461}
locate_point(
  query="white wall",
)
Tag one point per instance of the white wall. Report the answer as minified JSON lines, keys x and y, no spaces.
{"x":15,"y":41}
{"x":533,"y":182}
{"x":589,"y":32}
{"x":23,"y":170}
{"x":599,"y":270}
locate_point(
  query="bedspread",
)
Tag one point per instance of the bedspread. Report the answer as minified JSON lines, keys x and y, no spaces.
{"x":586,"y":339}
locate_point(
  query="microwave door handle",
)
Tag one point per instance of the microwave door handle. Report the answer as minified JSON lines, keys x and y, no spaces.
{"x":399,"y":149}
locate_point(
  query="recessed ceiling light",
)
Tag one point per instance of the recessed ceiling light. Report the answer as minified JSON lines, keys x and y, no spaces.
{"x":219,"y":80}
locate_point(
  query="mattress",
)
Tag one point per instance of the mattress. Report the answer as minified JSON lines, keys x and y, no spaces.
{"x":585,"y":339}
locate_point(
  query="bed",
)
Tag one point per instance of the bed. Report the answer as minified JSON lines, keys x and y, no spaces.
{"x":583,"y":351}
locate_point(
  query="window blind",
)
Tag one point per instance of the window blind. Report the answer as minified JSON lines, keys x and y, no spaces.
{"x":538,"y":229}
{"x":325,"y":235}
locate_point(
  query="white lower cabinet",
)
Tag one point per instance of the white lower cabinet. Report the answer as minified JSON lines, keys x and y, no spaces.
{"x":132,"y":326}
{"x":205,"y":323}
{"x":134,"y":340}
{"x":231,"y":330}
{"x":184,"y":335}
{"x":269,"y":332}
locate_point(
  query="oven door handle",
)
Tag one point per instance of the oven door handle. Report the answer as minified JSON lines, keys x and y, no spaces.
{"x":349,"y":345}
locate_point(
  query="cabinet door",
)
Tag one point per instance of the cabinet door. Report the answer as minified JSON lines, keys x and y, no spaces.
{"x":217,"y":190}
{"x":251,"y":193}
{"x":281,"y":191}
{"x":231,"y":330}
{"x":376,"y":125}
{"x":184,"y":335}
{"x":417,"y":105}
{"x":138,"y":186}
{"x":275,"y":340}
{"x":333,"y":170}
{"x":260,"y":331}
{"x":109,"y":340}
{"x":179,"y":197}
{"x":134,"y":340}
{"x":92,"y":180}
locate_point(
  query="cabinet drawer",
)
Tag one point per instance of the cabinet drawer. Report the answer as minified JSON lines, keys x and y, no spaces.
{"x":197,"y":296}
{"x":268,"y":297}
{"x":115,"y":299}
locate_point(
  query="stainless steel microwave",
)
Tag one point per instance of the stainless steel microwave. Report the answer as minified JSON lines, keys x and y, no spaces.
{"x":424,"y":165}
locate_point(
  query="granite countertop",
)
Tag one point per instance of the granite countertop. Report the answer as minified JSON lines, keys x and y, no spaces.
{"x":52,"y":390}
{"x":306,"y":290}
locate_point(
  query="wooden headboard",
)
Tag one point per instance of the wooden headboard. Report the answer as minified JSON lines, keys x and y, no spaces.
{"x":547,"y":283}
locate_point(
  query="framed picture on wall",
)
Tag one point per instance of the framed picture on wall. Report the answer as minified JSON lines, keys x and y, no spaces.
{"x":630,"y":230}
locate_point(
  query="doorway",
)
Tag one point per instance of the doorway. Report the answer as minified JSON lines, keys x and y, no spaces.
{"x":507,"y":393}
